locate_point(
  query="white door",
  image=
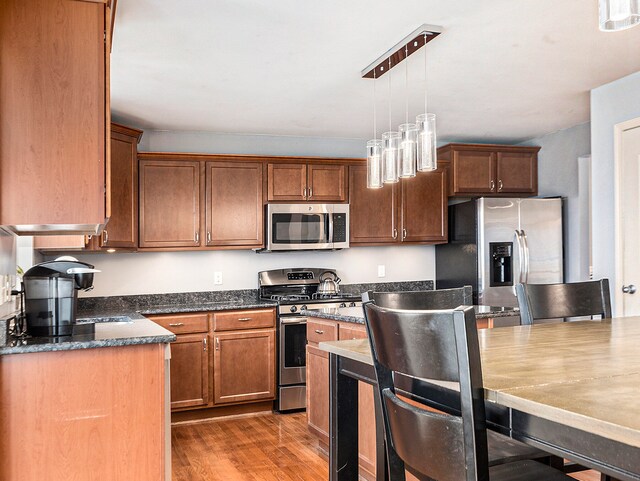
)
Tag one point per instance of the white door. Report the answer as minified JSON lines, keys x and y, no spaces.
{"x":627,"y":282}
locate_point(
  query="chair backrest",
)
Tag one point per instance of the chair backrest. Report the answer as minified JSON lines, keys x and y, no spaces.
{"x":435,"y":345}
{"x":424,"y":300}
{"x":552,"y":301}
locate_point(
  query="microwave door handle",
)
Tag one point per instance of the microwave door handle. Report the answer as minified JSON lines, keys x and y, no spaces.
{"x":330,"y":239}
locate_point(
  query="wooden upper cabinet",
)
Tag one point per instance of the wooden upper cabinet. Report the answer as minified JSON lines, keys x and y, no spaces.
{"x":122,"y":229}
{"x":473,"y":172}
{"x":286,"y":182}
{"x":493,"y":170}
{"x":234,"y":209}
{"x":55,"y":113}
{"x":424,"y":207}
{"x":310,"y":181}
{"x":517,"y":172}
{"x":169,"y":203}
{"x":372,"y":212}
{"x":326,"y":183}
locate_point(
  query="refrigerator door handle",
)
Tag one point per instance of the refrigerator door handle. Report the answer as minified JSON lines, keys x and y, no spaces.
{"x":518,"y":239}
{"x":526,"y":256}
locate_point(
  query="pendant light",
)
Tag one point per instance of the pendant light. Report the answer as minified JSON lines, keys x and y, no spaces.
{"x":618,"y":15}
{"x":426,"y":126}
{"x":390,"y":151}
{"x":408,"y":133}
{"x":374,"y":151}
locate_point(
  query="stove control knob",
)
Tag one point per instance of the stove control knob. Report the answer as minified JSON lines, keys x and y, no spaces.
{"x":304,"y":306}
{"x":293,"y":308}
{"x":342,"y":304}
{"x":352,"y":304}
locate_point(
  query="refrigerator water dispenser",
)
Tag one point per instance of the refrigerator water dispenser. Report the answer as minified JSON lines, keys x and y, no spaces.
{"x":501,"y":264}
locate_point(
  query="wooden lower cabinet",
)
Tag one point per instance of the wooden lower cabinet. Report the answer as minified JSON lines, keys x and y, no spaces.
{"x":318,"y":392}
{"x":244,"y":366}
{"x":189,"y":371}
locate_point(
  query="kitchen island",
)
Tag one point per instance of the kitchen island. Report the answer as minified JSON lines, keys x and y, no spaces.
{"x":93,"y":405}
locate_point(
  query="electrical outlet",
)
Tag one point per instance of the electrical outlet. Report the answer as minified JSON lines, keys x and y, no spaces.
{"x":382,"y":271}
{"x":217,"y":278}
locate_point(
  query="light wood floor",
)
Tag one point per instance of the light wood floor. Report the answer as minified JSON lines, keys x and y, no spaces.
{"x":258,"y":447}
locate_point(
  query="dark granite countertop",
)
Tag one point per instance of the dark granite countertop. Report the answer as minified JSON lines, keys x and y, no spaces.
{"x":123,"y":329}
{"x":208,"y":306}
{"x":355,"y":314}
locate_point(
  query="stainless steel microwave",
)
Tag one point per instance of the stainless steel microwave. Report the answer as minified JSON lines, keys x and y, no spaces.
{"x":307,"y":226}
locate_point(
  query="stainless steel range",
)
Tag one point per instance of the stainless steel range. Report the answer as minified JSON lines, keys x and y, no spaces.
{"x":296,"y":289}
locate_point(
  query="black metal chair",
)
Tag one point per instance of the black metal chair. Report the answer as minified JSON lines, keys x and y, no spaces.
{"x":438,"y":345}
{"x":424,"y":300}
{"x":540,"y":302}
{"x":561,"y":301}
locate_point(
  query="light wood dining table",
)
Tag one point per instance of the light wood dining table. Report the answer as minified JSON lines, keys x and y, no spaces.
{"x":570,"y":388}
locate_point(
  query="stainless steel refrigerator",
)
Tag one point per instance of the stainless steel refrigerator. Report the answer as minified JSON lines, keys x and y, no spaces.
{"x":496,"y":243}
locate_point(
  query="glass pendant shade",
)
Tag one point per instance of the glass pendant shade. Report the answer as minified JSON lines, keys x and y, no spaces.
{"x":408,"y":149}
{"x":391,"y":157}
{"x":374,"y":164}
{"x":619,"y":14}
{"x":426,"y":151}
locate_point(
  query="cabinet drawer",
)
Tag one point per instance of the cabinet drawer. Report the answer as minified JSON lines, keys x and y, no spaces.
{"x":236,"y":320}
{"x":320,"y":331}
{"x":183,"y":323}
{"x":354,"y":331}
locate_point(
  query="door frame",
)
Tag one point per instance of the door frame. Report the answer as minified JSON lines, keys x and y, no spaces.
{"x":618,"y":131}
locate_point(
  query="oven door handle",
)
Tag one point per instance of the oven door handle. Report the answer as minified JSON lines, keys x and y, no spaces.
{"x":294,"y":320}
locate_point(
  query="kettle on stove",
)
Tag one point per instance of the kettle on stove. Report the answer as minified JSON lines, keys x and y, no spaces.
{"x":329,"y":283}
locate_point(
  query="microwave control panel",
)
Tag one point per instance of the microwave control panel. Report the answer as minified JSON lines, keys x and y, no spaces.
{"x":339,"y":227}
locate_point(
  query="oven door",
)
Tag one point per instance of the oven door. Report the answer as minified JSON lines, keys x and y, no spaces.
{"x":299,"y":226}
{"x":293,"y":350}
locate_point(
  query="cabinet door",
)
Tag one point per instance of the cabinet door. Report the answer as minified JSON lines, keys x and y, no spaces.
{"x":244,"y":366}
{"x":326,"y":183}
{"x":424,"y":207}
{"x":169,"y":203}
{"x":372,"y":211}
{"x":122,"y":228}
{"x":189,"y":371}
{"x":234,"y":204}
{"x":517,"y":172}
{"x":473,"y":172}
{"x":286,"y":182}
{"x":53,"y":160}
{"x":318,"y":392}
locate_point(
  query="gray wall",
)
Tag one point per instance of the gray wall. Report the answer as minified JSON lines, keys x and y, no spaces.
{"x":558,"y":175}
{"x":611,"y":104}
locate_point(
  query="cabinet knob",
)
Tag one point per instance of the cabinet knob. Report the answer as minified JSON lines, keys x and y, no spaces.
{"x":493,"y":186}
{"x":499,"y":186}
{"x":630,"y":289}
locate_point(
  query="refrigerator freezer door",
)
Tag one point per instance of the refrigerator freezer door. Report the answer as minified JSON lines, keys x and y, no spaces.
{"x":541,"y":222}
{"x":497,"y":223}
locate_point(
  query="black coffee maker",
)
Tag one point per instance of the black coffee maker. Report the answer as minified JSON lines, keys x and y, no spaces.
{"x":50,"y":295}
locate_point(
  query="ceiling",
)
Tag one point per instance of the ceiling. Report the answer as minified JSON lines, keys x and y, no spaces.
{"x":501,"y":71}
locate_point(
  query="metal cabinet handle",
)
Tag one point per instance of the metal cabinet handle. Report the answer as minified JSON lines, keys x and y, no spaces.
{"x":105,"y":237}
{"x":208,"y":237}
{"x":318,"y":331}
{"x":404,"y":233}
{"x":395,"y":233}
{"x":197,"y":237}
{"x":304,"y":193}
{"x":630,"y":289}
{"x":310,"y":193}
{"x":217,"y":343}
{"x":204,"y":344}
{"x":176,"y":324}
{"x":499,"y":186}
{"x":493,"y":185}
{"x":243,"y":319}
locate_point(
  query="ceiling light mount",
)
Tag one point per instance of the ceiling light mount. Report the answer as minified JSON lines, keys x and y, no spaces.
{"x":405,"y":47}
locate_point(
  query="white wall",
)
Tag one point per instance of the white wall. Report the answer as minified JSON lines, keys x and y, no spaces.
{"x":558,"y":174}
{"x":611,"y":104}
{"x":163,"y":272}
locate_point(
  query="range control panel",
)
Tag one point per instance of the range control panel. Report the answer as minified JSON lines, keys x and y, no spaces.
{"x":339,"y":227}
{"x":299,"y":276}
